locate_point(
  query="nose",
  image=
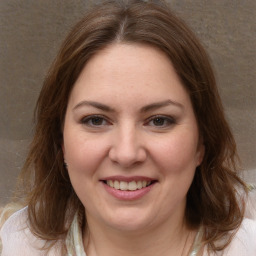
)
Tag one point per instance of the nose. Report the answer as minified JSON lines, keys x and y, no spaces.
{"x":127,"y":147}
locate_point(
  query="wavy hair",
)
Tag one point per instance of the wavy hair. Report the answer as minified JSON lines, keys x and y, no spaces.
{"x":212,"y":200}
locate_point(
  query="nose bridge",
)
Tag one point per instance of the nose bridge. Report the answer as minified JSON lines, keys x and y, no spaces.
{"x":127,"y":139}
{"x":127,"y":148}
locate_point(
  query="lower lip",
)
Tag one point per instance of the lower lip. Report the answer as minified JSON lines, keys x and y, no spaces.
{"x":128,"y":194}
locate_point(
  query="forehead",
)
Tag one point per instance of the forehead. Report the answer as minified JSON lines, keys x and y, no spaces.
{"x":129,"y":71}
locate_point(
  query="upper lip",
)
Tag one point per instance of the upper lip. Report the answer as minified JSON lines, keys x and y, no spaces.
{"x":128,"y":179}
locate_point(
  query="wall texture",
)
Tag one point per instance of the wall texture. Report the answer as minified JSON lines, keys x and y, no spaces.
{"x":31,"y":32}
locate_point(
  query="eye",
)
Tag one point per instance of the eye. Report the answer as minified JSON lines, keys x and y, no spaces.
{"x":95,"y":121}
{"x":161,"y":121}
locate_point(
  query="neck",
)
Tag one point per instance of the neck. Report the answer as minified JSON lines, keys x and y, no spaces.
{"x":171,"y":238}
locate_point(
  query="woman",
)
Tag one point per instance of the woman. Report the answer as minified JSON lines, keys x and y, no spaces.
{"x":132,"y":154}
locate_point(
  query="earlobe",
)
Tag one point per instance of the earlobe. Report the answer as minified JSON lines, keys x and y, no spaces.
{"x":64,"y":158}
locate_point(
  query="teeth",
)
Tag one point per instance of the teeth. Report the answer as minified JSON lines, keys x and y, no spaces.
{"x":111,"y":184}
{"x":139,"y":184}
{"x":132,"y":185}
{"x":124,"y":185}
{"x":116,"y":184}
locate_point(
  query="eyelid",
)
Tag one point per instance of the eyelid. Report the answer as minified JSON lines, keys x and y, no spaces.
{"x":171,"y":120}
{"x":84,"y":120}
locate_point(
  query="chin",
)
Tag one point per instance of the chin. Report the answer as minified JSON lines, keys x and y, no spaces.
{"x":129,"y":221}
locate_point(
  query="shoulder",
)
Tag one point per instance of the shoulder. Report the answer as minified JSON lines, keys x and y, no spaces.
{"x":250,"y":210}
{"x":17,"y":220}
{"x":247,"y":232}
{"x":244,"y":241}
{"x":17,"y":239}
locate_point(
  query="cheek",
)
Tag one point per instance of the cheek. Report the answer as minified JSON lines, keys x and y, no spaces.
{"x":83,"y":155}
{"x":176,"y":153}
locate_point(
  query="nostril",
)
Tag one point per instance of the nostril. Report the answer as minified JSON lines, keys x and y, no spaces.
{"x":127,"y":156}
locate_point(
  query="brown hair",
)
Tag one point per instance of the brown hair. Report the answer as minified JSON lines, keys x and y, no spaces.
{"x":212,"y":198}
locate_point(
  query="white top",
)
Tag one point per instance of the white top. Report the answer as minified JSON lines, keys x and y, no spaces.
{"x":18,"y":240}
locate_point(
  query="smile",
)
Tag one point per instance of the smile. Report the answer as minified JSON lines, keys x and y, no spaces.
{"x":128,"y":186}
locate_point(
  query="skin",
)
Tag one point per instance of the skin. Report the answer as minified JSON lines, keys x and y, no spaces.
{"x":146,"y":127}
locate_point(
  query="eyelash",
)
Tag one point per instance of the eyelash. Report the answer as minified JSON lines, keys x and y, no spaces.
{"x":89,"y":119}
{"x":166,"y":121}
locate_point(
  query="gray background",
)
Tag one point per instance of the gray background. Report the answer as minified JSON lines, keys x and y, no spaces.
{"x":31,"y":32}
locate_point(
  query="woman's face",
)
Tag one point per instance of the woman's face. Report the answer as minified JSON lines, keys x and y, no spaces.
{"x":131,"y":139}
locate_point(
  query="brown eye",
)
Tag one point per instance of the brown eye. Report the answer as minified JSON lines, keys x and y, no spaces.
{"x":94,"y":121}
{"x":161,"y":121}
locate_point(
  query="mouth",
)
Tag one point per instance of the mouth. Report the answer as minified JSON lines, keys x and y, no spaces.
{"x":128,"y":186}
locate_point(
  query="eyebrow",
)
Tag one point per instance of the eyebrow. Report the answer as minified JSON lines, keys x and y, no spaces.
{"x":161,"y":104}
{"x":146,"y":108}
{"x":95,"y":105}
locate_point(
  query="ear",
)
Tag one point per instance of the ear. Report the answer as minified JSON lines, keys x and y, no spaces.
{"x":200,"y":153}
{"x":63,"y":150}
